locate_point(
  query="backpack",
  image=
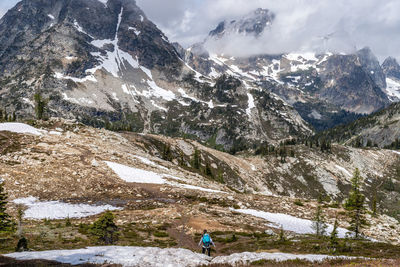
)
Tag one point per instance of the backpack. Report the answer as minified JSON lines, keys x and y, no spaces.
{"x":206,"y":240}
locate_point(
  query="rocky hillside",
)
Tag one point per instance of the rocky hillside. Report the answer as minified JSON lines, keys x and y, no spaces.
{"x":105,"y":64}
{"x":69,"y":162}
{"x":326,"y":89}
{"x":381,"y":129}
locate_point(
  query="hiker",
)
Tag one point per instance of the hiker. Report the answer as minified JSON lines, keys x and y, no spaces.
{"x":206,"y":241}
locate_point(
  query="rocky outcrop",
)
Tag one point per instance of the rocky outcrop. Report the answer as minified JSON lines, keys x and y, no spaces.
{"x":391,"y":68}
{"x":350,"y":82}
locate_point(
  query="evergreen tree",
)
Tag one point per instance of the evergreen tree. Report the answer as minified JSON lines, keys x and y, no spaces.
{"x":5,"y":115}
{"x":208,"y":170}
{"x":181,"y":159}
{"x":105,"y":229}
{"x":14,"y":116}
{"x":68,"y":222}
{"x":355,"y":204}
{"x":318,"y":224}
{"x":333,"y":238}
{"x":167,"y":153}
{"x":40,"y":106}
{"x":22,"y":245}
{"x":281,"y":236}
{"x":6,"y":225}
{"x":196,"y":162}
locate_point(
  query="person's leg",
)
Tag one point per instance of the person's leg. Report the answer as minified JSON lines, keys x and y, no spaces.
{"x":203,"y":250}
{"x":209,"y":251}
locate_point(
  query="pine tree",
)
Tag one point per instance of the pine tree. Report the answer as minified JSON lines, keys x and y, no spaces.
{"x":196,"y":162}
{"x":355,"y":204}
{"x":281,"y":236}
{"x":167,"y":153}
{"x":68,"y":222}
{"x":40,"y":105}
{"x":208,"y":170}
{"x":6,"y":224}
{"x":105,"y":229}
{"x":333,"y":238}
{"x":181,"y":159}
{"x":318,"y":224}
{"x":22,"y":245}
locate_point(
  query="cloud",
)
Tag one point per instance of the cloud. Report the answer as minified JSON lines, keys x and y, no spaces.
{"x":300,"y":25}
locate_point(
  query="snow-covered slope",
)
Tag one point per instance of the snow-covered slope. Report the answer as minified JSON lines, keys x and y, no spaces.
{"x":156,"y":257}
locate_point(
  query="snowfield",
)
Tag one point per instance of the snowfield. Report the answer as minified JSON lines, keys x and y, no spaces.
{"x":156,"y":257}
{"x":126,"y":256}
{"x":16,"y":127}
{"x":54,"y":210}
{"x":290,"y":223}
{"x":135,"y":175}
{"x":248,"y":257}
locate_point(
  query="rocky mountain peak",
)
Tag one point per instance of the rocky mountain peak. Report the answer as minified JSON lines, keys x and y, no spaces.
{"x":253,"y":23}
{"x":371,"y":64}
{"x":391,"y":68}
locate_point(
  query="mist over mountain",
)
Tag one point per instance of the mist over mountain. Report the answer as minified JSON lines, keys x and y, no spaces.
{"x":313,"y":26}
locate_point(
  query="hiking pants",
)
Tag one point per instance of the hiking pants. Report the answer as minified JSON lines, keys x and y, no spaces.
{"x":208,"y":249}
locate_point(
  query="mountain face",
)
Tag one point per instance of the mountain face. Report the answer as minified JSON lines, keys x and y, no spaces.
{"x":326,"y":89}
{"x":381,"y":129}
{"x":392,"y":71}
{"x":105,"y":64}
{"x":253,"y":23}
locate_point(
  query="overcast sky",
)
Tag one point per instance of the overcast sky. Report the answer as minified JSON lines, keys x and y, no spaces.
{"x":299,"y":24}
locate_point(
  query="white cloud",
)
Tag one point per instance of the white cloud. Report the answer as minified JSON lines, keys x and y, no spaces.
{"x":299,"y":24}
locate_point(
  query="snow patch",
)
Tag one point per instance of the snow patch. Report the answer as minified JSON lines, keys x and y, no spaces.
{"x":134,"y":175}
{"x":247,"y":257}
{"x":114,"y":60}
{"x":393,"y":89}
{"x":149,"y":162}
{"x":159,"y":92}
{"x":126,"y":256}
{"x":136,"y":31}
{"x":104,"y":2}
{"x":59,"y":75}
{"x":315,"y":114}
{"x":147,"y":71}
{"x":158,"y":257}
{"x":79,"y":101}
{"x":396,"y":152}
{"x":289,"y":223}
{"x":54,"y":210}
{"x":16,"y":127}
{"x":343,"y":170}
{"x":51,"y":16}
{"x":80,"y":29}
{"x":193,"y":187}
{"x":250,"y":104}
